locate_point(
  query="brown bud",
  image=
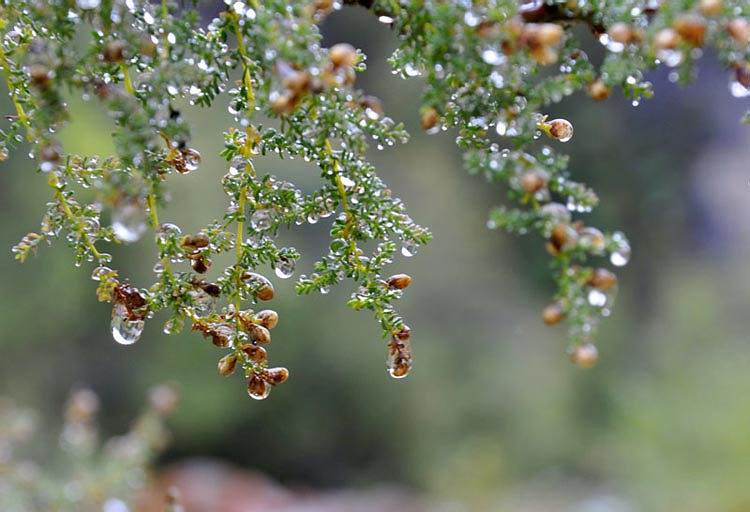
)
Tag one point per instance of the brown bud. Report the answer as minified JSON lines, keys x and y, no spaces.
{"x":739,"y":29}
{"x":552,"y":314}
{"x":296,"y":82}
{"x":263,"y":287}
{"x":548,"y":34}
{"x":257,"y":387}
{"x":342,"y":55}
{"x":147,"y":47}
{"x":691,"y":27}
{"x":429,"y":119}
{"x":227,"y":364}
{"x":533,"y":181}
{"x":40,"y":75}
{"x":544,"y":55}
{"x":201,"y":264}
{"x":275,"y":376}
{"x":400,"y":368}
{"x":742,"y":74}
{"x":561,"y":236}
{"x":585,"y":356}
{"x":323,"y":6}
{"x":114,"y":51}
{"x":282,"y":104}
{"x":598,"y":90}
{"x":399,"y":281}
{"x":258,"y":334}
{"x":666,"y":39}
{"x":211,"y":288}
{"x":255,"y":353}
{"x":404,"y":334}
{"x":198,"y":241}
{"x":164,"y":399}
{"x":50,"y":153}
{"x":268,"y":318}
{"x":603,"y":279}
{"x":372,"y":103}
{"x":621,"y":33}
{"x":711,"y":7}
{"x":560,"y":129}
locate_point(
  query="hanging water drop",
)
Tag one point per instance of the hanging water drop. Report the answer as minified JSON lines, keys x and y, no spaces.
{"x":284,"y":268}
{"x":409,"y":248}
{"x":124,"y":330}
{"x":262,"y":219}
{"x":128,"y":221}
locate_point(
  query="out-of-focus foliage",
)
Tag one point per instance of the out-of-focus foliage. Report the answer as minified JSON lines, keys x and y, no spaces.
{"x":84,"y":473}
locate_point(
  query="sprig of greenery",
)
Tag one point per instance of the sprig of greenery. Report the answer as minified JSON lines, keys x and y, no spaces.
{"x":493,"y":70}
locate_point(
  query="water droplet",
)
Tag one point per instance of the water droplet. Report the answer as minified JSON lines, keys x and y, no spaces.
{"x":409,"y":248}
{"x":261,"y":219}
{"x":128,"y":221}
{"x":411,"y":70}
{"x":284,"y":268}
{"x":100,"y":272}
{"x":88,"y":4}
{"x":670,"y":57}
{"x":313,"y":218}
{"x":172,"y":326}
{"x":597,"y":298}
{"x":192,"y":160}
{"x":620,"y":257}
{"x":124,"y":330}
{"x":158,"y":267}
{"x":737,"y":89}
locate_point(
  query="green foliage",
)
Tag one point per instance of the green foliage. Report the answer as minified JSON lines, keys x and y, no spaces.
{"x":492,"y":70}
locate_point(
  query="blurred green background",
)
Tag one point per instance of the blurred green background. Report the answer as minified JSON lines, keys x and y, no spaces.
{"x":493,"y":417}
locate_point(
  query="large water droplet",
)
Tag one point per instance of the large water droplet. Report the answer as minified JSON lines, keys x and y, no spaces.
{"x":261,"y":219}
{"x":409,"y":248}
{"x":128,"y":221}
{"x":597,"y":298}
{"x":192,"y":160}
{"x":125,"y":331}
{"x":284,"y":268}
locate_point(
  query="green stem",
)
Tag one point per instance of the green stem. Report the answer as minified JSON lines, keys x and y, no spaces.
{"x":12,"y":90}
{"x":54,"y":183}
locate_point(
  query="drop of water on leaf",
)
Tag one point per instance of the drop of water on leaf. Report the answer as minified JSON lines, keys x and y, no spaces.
{"x":284,"y":268}
{"x":192,"y":160}
{"x":261,"y":219}
{"x":100,"y":272}
{"x":409,"y":248}
{"x":88,"y":4}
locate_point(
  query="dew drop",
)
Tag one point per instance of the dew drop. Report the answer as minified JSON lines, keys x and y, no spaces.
{"x":597,"y":298}
{"x":125,"y":331}
{"x":192,"y":160}
{"x":284,"y":268}
{"x":261,"y":219}
{"x":737,"y":89}
{"x":128,"y":221}
{"x":312,"y":218}
{"x":409,"y":248}
{"x":88,"y":4}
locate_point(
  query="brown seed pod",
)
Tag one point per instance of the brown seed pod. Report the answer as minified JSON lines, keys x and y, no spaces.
{"x":404,"y":334}
{"x":598,"y":90}
{"x":263,"y":287}
{"x":282,"y":104}
{"x":560,"y":129}
{"x":210,"y":288}
{"x":257,"y":387}
{"x":132,"y":299}
{"x":533,"y":181}
{"x":691,"y":27}
{"x":562,"y":236}
{"x":268,"y":318}
{"x":552,"y":314}
{"x":742,"y":73}
{"x":711,"y":7}
{"x":276,"y":376}
{"x":147,"y":47}
{"x":40,"y":75}
{"x":227,"y":364}
{"x":666,"y":39}
{"x":50,"y":153}
{"x":544,"y":55}
{"x":602,"y":279}
{"x":585,"y":356}
{"x":399,"y":281}
{"x":429,"y":119}
{"x":258,"y":334}
{"x":198,"y":241}
{"x":201,"y":264}
{"x":254,"y":353}
{"x":739,"y":30}
{"x":548,"y":34}
{"x":342,"y":55}
{"x":372,"y":103}
{"x":114,"y":51}
{"x":297,"y":82}
{"x":622,"y":33}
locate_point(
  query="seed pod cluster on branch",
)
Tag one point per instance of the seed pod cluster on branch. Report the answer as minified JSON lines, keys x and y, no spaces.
{"x":492,"y":71}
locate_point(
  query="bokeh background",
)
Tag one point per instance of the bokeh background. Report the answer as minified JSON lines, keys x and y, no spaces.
{"x":493,"y":417}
